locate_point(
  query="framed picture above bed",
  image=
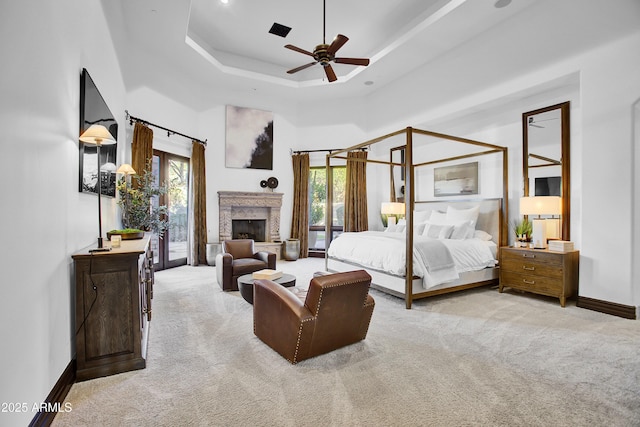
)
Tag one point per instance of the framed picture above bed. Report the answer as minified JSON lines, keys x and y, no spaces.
{"x":457,"y":180}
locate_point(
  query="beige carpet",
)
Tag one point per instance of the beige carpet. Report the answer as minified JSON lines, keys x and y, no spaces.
{"x":476,"y":358}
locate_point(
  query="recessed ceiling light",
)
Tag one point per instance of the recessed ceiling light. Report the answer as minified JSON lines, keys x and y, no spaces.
{"x":501,"y":3}
{"x":224,"y":1}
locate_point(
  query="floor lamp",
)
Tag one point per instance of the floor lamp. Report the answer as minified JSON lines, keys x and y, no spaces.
{"x":98,"y":135}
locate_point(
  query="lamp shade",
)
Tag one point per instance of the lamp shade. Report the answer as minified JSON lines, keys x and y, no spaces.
{"x":540,"y":205}
{"x":126,"y":169}
{"x":97,"y":134}
{"x":392,"y":208}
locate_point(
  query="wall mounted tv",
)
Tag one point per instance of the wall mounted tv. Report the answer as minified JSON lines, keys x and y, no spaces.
{"x":548,"y":186}
{"x":93,"y":110}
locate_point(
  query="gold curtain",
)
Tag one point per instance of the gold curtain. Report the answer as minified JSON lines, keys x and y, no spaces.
{"x":355,"y":196}
{"x":199,"y":246}
{"x":300,"y":215}
{"x":141,"y":149}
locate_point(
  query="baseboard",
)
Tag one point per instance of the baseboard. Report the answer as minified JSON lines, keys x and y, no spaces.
{"x":55,"y":400}
{"x":615,"y":309}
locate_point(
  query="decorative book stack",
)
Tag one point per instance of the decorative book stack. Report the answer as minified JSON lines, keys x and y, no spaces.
{"x":560,"y":246}
{"x":267,"y":274}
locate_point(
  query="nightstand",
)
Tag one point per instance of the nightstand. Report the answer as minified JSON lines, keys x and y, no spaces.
{"x":540,"y":271}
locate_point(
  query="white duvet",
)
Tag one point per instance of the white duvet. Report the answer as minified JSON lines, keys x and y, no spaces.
{"x":386,"y":252}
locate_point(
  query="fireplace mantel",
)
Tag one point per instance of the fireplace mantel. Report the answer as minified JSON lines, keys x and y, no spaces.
{"x":250,"y":205}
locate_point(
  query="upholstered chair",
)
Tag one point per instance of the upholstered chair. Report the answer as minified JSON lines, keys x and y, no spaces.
{"x":238,"y":257}
{"x":333,"y":313}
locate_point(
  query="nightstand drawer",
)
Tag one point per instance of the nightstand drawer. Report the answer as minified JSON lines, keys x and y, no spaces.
{"x":545,"y":285}
{"x":532,"y":257}
{"x":537,"y":268}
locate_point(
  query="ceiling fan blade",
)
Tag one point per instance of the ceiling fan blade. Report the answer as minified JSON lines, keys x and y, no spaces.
{"x":337,"y":43}
{"x":352,"y":61}
{"x":302,"y":67}
{"x":331,"y":75}
{"x":297,"y":49}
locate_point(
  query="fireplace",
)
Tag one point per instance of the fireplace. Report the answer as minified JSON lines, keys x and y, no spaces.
{"x":241,"y":207}
{"x":249,"y":229}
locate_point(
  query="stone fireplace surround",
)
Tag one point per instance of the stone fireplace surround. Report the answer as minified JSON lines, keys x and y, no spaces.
{"x":250,"y":205}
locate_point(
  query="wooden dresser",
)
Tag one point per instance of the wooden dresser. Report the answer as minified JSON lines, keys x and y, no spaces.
{"x":540,"y":271}
{"x":113,"y":308}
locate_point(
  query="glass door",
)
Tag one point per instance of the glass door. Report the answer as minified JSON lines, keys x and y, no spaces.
{"x":171,"y":250}
{"x":318,"y":242}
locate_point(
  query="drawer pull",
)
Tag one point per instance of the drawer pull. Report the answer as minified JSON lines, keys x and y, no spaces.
{"x":524,"y":267}
{"x":528,"y":255}
{"x":529,"y":282}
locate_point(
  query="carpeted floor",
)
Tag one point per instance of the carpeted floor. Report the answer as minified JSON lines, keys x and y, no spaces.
{"x":476,"y":358}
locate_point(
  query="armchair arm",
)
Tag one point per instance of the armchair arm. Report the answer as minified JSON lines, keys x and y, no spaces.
{"x":268,"y":257}
{"x":224,"y":268}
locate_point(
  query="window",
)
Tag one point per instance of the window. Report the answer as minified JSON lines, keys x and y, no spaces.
{"x":318,"y":242}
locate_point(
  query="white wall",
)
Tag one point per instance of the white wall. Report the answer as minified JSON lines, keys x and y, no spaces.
{"x":45,"y":219}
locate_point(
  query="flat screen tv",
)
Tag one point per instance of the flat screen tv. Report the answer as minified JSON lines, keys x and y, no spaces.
{"x":548,"y":186}
{"x":93,"y":110}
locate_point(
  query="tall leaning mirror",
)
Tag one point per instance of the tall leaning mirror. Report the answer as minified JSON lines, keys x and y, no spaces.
{"x":546,"y":157}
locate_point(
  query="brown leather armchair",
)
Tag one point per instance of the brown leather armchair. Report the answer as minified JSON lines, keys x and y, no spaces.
{"x":238,"y":257}
{"x":334,"y":313}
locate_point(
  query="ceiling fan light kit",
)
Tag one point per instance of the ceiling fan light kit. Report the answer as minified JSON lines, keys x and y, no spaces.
{"x":324,"y":54}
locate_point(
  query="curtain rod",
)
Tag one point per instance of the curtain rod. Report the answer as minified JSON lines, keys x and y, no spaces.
{"x":169,"y":131}
{"x":323,"y":150}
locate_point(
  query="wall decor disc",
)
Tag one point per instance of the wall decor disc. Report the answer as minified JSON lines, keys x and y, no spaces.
{"x":272,"y":182}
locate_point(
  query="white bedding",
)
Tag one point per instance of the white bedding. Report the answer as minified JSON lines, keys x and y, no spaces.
{"x":386,"y":252}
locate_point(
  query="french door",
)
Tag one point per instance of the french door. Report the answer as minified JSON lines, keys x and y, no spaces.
{"x":171,"y":250}
{"x":318,"y":241}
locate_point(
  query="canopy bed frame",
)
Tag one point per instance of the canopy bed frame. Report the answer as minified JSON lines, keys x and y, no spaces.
{"x":492,"y":219}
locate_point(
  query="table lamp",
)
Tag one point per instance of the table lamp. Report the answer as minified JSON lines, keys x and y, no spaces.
{"x":540,"y":205}
{"x":98,"y":135}
{"x":392,"y":210}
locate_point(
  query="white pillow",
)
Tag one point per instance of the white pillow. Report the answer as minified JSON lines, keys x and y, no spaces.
{"x":437,"y":231}
{"x":455,"y":216}
{"x":482,"y":235}
{"x":418,"y":229}
{"x":420,"y":216}
{"x":462,"y":230}
{"x":402,"y":221}
{"x":391,"y":228}
{"x":438,"y":217}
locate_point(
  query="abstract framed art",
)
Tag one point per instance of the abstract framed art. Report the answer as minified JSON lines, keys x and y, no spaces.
{"x":249,"y":138}
{"x":457,"y":180}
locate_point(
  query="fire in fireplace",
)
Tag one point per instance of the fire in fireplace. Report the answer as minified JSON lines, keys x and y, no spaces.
{"x":249,"y":229}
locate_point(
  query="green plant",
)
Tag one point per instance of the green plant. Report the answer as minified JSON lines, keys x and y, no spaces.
{"x":523,"y":229}
{"x":139,"y":205}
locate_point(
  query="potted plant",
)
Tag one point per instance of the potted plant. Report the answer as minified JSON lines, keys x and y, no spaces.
{"x":523,"y":230}
{"x":139,"y":211}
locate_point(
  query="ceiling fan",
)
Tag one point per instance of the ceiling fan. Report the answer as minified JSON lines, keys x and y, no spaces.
{"x":535,"y":123}
{"x":325,"y":53}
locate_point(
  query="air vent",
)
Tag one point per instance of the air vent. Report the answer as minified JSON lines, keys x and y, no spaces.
{"x":279,"y":29}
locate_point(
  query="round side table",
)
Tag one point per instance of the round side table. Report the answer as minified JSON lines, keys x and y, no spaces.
{"x":245,"y":285}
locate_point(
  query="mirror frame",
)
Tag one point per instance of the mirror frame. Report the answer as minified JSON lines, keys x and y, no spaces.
{"x":565,"y":160}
